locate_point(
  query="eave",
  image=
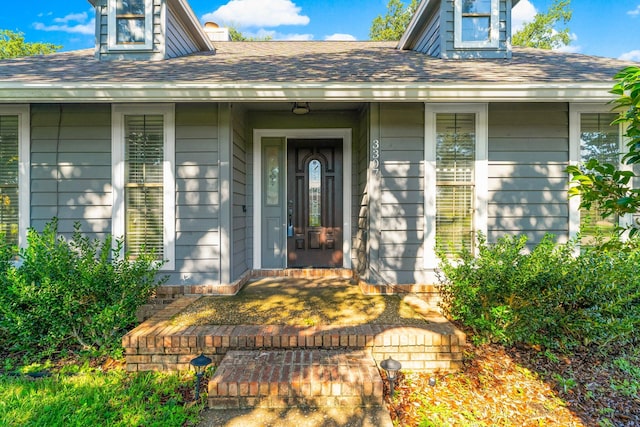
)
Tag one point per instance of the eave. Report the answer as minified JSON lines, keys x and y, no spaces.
{"x":312,"y":92}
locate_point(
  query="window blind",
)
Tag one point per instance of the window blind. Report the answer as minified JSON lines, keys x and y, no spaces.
{"x":598,"y":140}
{"x":144,"y":189}
{"x":9,"y":207}
{"x":455,"y":182}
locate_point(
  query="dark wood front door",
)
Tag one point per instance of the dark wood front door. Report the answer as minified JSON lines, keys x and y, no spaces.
{"x":314,"y":208}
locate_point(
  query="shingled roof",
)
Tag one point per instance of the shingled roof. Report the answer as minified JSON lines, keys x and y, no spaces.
{"x":306,"y":65}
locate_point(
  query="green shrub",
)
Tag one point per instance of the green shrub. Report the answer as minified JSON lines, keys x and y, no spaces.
{"x":76,"y":293}
{"x":545,"y":295}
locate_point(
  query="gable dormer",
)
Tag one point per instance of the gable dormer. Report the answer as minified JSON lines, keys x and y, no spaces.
{"x":147,"y":30}
{"x":461,"y":29}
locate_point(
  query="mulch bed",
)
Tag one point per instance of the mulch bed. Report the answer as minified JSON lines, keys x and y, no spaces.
{"x":523,"y":387}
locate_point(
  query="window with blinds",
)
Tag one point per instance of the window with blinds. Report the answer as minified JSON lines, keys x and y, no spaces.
{"x":9,"y":208}
{"x":144,"y":184}
{"x":598,"y":140}
{"x":455,"y":186}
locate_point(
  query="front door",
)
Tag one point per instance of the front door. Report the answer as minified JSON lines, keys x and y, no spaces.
{"x":314,"y":205}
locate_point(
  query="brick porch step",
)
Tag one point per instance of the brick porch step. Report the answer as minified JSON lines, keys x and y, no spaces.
{"x":298,"y":377}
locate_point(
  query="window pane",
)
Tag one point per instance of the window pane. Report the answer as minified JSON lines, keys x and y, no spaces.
{"x":272,"y":180}
{"x":476,"y":6}
{"x":9,"y":178}
{"x":315,"y":193}
{"x":130,"y":30}
{"x":599,"y":140}
{"x":475,"y":29}
{"x":130,"y":7}
{"x":144,"y":178}
{"x":455,"y":171}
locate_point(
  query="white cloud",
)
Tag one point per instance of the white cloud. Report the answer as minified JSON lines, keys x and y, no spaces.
{"x":74,"y":23}
{"x":340,"y":37}
{"x":633,"y":55}
{"x":263,"y":33}
{"x":634,"y":12}
{"x":72,"y":17}
{"x":258,"y":13}
{"x":522,"y":13}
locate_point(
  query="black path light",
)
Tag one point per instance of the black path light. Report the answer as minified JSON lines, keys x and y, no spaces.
{"x":391,"y":367}
{"x":199,"y":363}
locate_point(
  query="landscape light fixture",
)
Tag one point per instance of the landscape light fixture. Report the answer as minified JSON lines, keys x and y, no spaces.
{"x":391,"y":367}
{"x":199,"y":363}
{"x":300,"y":108}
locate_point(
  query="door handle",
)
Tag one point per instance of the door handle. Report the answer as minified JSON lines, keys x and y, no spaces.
{"x":290,"y":222}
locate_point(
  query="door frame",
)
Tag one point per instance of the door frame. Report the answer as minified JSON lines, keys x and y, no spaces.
{"x":339,"y":133}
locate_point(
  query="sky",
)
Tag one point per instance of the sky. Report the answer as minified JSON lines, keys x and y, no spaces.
{"x":609,"y":28}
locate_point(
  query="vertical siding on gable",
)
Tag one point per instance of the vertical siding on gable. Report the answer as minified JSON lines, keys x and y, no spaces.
{"x":401,"y":224}
{"x":179,"y":43}
{"x":198,"y":196}
{"x":528,"y":151}
{"x":71,"y":167}
{"x":430,"y":41}
{"x":240,"y":220}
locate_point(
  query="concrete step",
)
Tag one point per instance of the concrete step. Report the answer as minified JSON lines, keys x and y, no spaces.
{"x":295,"y":378}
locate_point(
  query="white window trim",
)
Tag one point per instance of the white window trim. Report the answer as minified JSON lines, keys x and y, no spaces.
{"x":169,"y":184}
{"x":575,"y":110}
{"x":481,"y":172}
{"x":345,"y":134}
{"x":494,"y":28}
{"x":148,"y":28}
{"x":24,"y":167}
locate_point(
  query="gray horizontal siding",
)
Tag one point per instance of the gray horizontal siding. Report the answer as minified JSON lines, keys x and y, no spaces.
{"x":528,"y":151}
{"x":239,"y":220}
{"x":401,"y":225}
{"x":197,"y":195}
{"x":71,"y":167}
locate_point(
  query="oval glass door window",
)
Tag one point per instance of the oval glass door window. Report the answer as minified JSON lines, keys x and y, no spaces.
{"x":315,"y":193}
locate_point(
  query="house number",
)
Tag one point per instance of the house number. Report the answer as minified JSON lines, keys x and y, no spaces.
{"x":375,"y":155}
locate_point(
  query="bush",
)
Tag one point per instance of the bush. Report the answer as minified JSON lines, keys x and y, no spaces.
{"x":71,"y":293}
{"x":545,"y":296}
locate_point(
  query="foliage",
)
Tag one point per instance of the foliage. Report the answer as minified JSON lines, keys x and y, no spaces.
{"x":545,"y":296}
{"x":393,"y":24}
{"x":66,"y":293}
{"x":94,"y":398}
{"x":237,"y":36}
{"x":607,"y":185}
{"x":12,"y":45}
{"x":543,"y":31}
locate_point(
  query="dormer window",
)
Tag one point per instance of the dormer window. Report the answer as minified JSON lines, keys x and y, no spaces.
{"x":477,"y":23}
{"x":131,"y":24}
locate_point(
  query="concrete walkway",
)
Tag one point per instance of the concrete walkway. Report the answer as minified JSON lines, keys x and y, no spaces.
{"x":297,"y":417}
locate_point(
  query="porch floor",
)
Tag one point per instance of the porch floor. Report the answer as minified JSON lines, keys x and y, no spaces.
{"x":243,"y":352}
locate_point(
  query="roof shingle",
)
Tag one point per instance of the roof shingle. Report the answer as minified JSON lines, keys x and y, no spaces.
{"x":313,"y":62}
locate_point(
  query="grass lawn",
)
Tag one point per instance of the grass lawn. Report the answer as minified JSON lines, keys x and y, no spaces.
{"x":91,"y":397}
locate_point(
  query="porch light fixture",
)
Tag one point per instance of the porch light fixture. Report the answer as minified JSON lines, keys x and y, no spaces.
{"x":199,"y":363}
{"x":391,"y":367}
{"x":300,"y":108}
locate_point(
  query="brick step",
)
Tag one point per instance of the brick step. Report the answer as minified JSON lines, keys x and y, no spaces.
{"x":297,"y":377}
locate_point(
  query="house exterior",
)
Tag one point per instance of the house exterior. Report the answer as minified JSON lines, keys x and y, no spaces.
{"x":229,"y":158}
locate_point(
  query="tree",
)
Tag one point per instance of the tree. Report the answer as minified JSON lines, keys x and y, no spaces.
{"x":542,"y":32}
{"x":12,"y":45}
{"x":237,"y":36}
{"x":610,"y":187}
{"x":392,"y":25}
